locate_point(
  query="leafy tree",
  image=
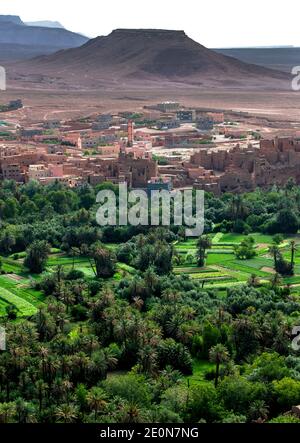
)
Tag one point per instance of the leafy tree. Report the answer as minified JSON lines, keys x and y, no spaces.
{"x":11,"y":208}
{"x":268,"y":367}
{"x":203,"y":404}
{"x":287,"y":221}
{"x":246,"y":249}
{"x":203,"y":244}
{"x":7,"y":241}
{"x":275,"y":281}
{"x":131,"y":388}
{"x":278,"y":239}
{"x":246,"y":335}
{"x":11,"y":312}
{"x":104,"y":261}
{"x":125,"y":253}
{"x":171,"y":353}
{"x":238,"y":394}
{"x":287,"y":391}
{"x":286,"y":418}
{"x":36,"y":256}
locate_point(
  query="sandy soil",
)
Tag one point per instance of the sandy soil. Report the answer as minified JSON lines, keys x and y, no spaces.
{"x":14,"y":277}
{"x":283,"y":108}
{"x":269,"y":270}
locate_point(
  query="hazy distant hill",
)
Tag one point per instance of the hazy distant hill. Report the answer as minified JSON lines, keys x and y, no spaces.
{"x":283,"y":58}
{"x":18,"y":41}
{"x":145,"y":57}
{"x":12,"y":52}
{"x":46,"y":24}
{"x":12,"y":19}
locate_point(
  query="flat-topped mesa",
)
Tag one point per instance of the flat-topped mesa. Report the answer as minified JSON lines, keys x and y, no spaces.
{"x":148,"y":33}
{"x":132,"y":56}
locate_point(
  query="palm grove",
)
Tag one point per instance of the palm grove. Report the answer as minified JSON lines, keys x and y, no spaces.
{"x":106,"y":349}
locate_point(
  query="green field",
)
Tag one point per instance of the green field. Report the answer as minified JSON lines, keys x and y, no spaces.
{"x":15,"y":290}
{"x":16,"y":282}
{"x":200,"y":368}
{"x":24,"y":308}
{"x":222,"y":269}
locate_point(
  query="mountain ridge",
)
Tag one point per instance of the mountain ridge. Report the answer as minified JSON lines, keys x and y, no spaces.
{"x":147,"y":57}
{"x":282,"y":58}
{"x":33,"y":40}
{"x":11,"y":19}
{"x":46,"y":24}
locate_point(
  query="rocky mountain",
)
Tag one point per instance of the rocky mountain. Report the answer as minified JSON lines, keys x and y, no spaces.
{"x":46,"y":24}
{"x":12,"y":19}
{"x":282,"y":58}
{"x":146,"y":57}
{"x":18,"y":40}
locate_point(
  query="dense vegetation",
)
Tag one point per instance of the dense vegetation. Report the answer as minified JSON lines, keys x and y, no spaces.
{"x":128,"y":324}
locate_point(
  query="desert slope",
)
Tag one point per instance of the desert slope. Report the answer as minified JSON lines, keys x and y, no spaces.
{"x":147,"y":57}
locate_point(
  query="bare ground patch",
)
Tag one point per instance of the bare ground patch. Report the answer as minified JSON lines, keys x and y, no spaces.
{"x":14,"y":277}
{"x":269,"y":270}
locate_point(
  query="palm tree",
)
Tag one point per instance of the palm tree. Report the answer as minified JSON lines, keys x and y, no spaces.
{"x":80,"y":364}
{"x":102,"y":261}
{"x":253,"y":280}
{"x":7,"y":411}
{"x":65,"y":363}
{"x":110,"y":358}
{"x":137,"y":288}
{"x":258,"y":411}
{"x":203,"y":244}
{"x":45,"y":324}
{"x":90,"y":343}
{"x":275,"y":281}
{"x":50,"y":366}
{"x":218,"y":354}
{"x":147,"y":358}
{"x":66,"y":387}
{"x":131,"y":413}
{"x":151,"y":280}
{"x":274,"y":250}
{"x":174,"y":325}
{"x":77,"y":288}
{"x":41,"y":388}
{"x":182,"y":233}
{"x":67,"y":297}
{"x":44,"y":353}
{"x":237,"y":209}
{"x":138,"y":303}
{"x":170,"y":296}
{"x":59,"y":275}
{"x":25,"y":411}
{"x":67,"y":413}
{"x":172,"y":374}
{"x":97,"y":400}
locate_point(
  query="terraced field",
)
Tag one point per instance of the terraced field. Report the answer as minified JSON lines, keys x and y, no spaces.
{"x":16,"y":284}
{"x":17,"y":292}
{"x":223,"y":269}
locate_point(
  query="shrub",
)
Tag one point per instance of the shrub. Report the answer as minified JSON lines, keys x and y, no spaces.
{"x":74,"y":274}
